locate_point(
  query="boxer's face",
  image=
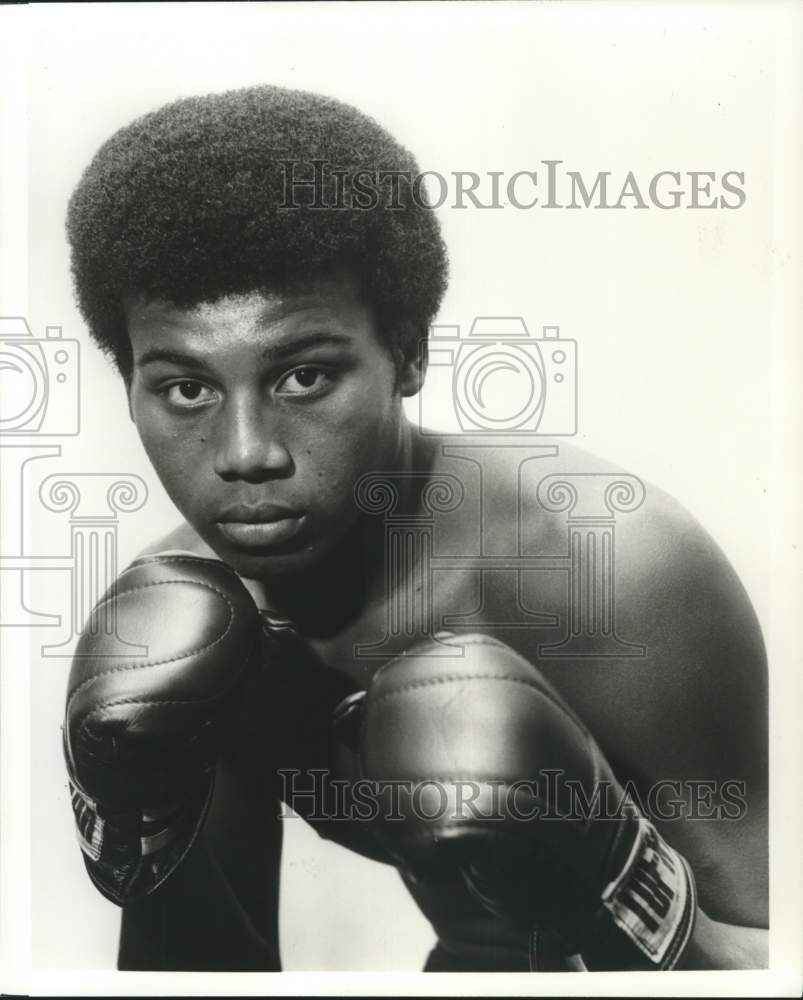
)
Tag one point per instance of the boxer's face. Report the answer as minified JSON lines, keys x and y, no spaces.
{"x":260,"y":413}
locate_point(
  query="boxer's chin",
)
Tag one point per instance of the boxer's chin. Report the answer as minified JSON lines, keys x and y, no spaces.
{"x":274,"y":566}
{"x":294,"y":558}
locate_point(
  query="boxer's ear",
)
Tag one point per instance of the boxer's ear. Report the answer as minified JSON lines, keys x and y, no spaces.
{"x":411,"y":366}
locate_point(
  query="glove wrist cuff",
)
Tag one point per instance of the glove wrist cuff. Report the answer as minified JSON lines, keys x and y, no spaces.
{"x":648,"y":909}
{"x":653,"y":899}
{"x":645,"y":918}
{"x":130,"y":854}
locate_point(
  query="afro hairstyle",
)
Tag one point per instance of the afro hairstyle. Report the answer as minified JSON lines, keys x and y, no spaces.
{"x":189,"y":203}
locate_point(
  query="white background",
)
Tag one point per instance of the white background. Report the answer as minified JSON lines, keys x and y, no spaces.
{"x":682,"y":317}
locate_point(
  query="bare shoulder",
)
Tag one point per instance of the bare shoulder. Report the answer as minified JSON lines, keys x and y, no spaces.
{"x":675,"y":581}
{"x":678,"y":595}
{"x":670,"y":572}
{"x":691,"y":713}
{"x":696,"y":701}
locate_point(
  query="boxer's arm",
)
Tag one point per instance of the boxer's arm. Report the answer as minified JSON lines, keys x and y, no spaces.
{"x":704,"y":721}
{"x":715,"y":945}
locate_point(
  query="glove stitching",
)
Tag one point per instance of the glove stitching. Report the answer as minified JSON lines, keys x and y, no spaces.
{"x":151,"y":701}
{"x":454,"y":678}
{"x":83,"y":733}
{"x":169,"y":659}
{"x":118,"y":592}
{"x":527,"y":682}
{"x":541,"y":684}
{"x":157,"y":558}
{"x":483,"y":640}
{"x":487,"y":640}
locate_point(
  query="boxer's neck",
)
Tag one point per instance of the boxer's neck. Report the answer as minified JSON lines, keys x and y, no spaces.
{"x":335,"y":592}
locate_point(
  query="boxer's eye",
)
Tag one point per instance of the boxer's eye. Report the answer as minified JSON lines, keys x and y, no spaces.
{"x":304,"y":381}
{"x":188,"y":393}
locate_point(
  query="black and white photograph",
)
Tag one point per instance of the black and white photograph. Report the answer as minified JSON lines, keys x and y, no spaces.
{"x":400,"y":438}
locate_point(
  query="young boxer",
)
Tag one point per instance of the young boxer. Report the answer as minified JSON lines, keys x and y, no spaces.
{"x":266,"y":316}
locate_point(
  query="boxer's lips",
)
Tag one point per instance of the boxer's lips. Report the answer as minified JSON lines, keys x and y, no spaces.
{"x":260,"y":525}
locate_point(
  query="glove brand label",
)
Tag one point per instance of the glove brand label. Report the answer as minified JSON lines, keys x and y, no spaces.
{"x":652,"y":900}
{"x":89,"y":825}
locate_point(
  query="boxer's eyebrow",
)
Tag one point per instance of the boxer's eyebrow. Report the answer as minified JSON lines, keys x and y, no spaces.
{"x":277,"y":352}
{"x":156,"y":354}
{"x":271,"y":353}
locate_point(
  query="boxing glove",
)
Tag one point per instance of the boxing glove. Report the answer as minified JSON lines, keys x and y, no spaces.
{"x":479,"y":766}
{"x":141,"y":731}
